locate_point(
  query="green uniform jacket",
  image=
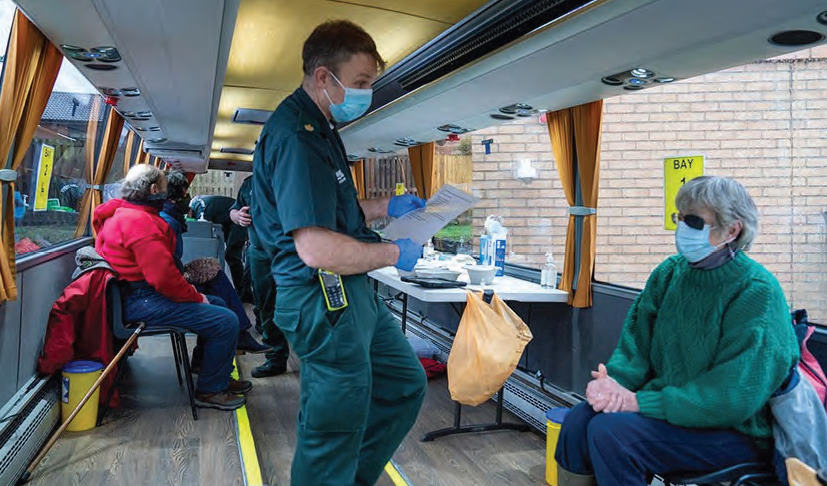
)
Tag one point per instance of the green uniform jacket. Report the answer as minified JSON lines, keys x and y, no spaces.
{"x":301,"y":179}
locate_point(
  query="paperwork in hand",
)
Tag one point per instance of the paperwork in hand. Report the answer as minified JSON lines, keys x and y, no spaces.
{"x":421,"y":224}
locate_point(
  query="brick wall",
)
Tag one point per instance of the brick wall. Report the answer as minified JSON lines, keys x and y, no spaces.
{"x":765,"y":124}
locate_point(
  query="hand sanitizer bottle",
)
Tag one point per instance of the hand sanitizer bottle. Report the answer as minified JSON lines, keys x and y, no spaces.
{"x":548,"y":275}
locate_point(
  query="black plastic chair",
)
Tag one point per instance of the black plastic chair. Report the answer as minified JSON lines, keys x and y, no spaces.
{"x":122,"y":330}
{"x":746,"y":474}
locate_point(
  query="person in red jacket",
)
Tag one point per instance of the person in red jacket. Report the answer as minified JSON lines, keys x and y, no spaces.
{"x":139,"y":245}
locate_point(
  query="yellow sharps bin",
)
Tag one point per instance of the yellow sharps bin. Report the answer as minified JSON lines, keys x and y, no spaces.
{"x":78,"y":378}
{"x":554,"y":420}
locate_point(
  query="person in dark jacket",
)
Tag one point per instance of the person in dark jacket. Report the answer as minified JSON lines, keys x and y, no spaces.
{"x":139,"y":245}
{"x":216,"y":283}
{"x":216,"y":209}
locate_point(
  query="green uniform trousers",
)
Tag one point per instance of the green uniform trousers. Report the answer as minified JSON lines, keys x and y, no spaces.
{"x":264,"y":295}
{"x":361,"y":383}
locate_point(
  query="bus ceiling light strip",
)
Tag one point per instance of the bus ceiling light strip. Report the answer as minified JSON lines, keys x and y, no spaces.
{"x":251,"y":116}
{"x":236,"y":150}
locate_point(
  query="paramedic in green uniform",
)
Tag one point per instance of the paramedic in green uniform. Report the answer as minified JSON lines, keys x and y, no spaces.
{"x":361,"y":384}
{"x":264,"y":287}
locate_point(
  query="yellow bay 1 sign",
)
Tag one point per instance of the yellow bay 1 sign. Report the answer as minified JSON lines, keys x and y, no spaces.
{"x":677,"y":171}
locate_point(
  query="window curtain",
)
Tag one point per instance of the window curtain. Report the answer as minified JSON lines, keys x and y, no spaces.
{"x":575,"y":142}
{"x":357,"y":170}
{"x":143,"y":157}
{"x":422,"y":166}
{"x":93,"y":196}
{"x":31,"y":68}
{"x":129,"y":148}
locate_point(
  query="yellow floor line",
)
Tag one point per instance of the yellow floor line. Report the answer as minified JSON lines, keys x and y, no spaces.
{"x":247,"y":446}
{"x":397,"y":477}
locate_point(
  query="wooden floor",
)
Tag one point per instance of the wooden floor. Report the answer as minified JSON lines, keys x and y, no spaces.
{"x":493,"y":458}
{"x":151,"y":439}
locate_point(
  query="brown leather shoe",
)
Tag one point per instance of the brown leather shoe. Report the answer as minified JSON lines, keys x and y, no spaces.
{"x":239,"y":387}
{"x":220,"y":401}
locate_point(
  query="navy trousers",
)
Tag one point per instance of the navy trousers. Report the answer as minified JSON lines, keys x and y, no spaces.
{"x":216,"y":325}
{"x":620,"y":449}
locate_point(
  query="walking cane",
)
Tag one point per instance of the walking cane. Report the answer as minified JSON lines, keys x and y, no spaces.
{"x":28,"y":474}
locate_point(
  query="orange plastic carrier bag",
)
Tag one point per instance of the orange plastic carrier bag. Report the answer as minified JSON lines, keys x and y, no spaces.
{"x":488,"y":345}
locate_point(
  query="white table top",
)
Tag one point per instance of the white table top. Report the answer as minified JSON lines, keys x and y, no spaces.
{"x":507,"y":288}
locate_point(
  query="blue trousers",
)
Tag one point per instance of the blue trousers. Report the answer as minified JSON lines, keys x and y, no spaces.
{"x":215,"y":325}
{"x":222,"y":287}
{"x":622,"y":448}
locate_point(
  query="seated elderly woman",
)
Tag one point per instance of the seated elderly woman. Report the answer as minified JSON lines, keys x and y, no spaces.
{"x":703,"y":347}
{"x":139,"y":246}
{"x":213,"y":281}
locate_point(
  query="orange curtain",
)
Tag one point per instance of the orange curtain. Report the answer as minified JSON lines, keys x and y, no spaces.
{"x":95,"y":113}
{"x":576,"y":132}
{"x":357,"y":170}
{"x":143,"y":157}
{"x":129,"y":147}
{"x":422,"y":166}
{"x":31,"y":69}
{"x":93,"y":196}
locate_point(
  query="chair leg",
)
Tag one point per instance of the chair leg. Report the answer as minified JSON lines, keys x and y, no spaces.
{"x":177,"y":355}
{"x":182,"y":340}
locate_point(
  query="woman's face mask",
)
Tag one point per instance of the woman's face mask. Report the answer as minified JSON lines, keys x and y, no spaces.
{"x":355,"y":104}
{"x":692,"y":239}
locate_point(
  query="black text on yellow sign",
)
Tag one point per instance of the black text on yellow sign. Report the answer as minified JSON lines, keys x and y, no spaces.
{"x":677,"y":171}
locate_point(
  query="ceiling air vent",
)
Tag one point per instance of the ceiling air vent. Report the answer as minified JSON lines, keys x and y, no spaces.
{"x":236,"y":150}
{"x":251,"y":116}
{"x":519,"y":109}
{"x":407,"y":142}
{"x":380,"y":150}
{"x":455,"y":129}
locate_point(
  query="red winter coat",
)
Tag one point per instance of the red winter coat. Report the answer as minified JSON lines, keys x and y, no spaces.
{"x":139,"y":245}
{"x":78,"y":328}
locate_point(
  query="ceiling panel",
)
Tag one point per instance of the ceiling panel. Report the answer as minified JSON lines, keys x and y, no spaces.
{"x":265,"y":57}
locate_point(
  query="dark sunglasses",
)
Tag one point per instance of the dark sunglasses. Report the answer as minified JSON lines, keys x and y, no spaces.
{"x":694,"y":222}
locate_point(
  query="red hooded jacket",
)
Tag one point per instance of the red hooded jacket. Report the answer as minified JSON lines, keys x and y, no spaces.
{"x":139,"y":245}
{"x":78,"y":329}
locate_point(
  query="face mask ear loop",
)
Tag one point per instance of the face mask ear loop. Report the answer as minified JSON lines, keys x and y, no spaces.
{"x":340,"y":84}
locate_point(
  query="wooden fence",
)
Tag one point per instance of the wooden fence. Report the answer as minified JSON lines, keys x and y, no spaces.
{"x":381,"y":175}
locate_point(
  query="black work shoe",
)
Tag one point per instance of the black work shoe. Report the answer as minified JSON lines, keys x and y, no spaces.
{"x":238,"y":387}
{"x":269,"y":368}
{"x":248,"y":343}
{"x":220,"y":401}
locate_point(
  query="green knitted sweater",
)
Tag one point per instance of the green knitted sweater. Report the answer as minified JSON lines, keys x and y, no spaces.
{"x":707,"y":348}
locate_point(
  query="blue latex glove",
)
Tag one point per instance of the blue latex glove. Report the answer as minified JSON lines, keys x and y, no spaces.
{"x":405,"y":203}
{"x":409,"y":253}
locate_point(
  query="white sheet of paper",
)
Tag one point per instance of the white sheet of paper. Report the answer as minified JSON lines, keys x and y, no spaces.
{"x":421,"y":224}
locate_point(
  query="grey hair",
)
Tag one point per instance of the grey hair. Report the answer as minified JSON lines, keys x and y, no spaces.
{"x":138,"y":181}
{"x":727,"y":199}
